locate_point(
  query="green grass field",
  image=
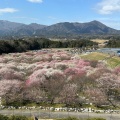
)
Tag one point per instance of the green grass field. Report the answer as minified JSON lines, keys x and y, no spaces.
{"x":112,"y":62}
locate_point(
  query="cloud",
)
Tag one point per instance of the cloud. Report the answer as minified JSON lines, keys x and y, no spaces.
{"x":30,"y":18}
{"x":8,"y":10}
{"x":53,"y":18}
{"x":108,"y":6}
{"x":35,"y":1}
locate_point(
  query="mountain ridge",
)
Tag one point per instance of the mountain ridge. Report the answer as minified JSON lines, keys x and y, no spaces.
{"x":58,"y":29}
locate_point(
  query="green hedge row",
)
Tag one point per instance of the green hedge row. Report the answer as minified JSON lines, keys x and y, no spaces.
{"x":73,"y":118}
{"x":3,"y":117}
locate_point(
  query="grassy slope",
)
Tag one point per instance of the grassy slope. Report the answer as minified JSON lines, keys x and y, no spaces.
{"x":112,"y":62}
{"x":99,"y":41}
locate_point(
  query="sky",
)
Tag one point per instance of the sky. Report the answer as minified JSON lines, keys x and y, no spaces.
{"x":48,"y":12}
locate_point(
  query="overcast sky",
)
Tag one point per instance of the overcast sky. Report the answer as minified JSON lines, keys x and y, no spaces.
{"x":49,"y":12}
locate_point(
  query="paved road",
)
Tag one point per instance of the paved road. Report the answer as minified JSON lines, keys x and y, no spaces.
{"x":43,"y":114}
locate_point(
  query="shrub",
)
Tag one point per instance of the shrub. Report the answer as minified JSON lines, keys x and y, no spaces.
{"x":19,"y":118}
{"x":69,"y":118}
{"x":96,"y":119}
{"x":73,"y":118}
{"x":2,"y":117}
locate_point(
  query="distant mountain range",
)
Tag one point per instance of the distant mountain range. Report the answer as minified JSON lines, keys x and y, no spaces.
{"x":8,"y":28}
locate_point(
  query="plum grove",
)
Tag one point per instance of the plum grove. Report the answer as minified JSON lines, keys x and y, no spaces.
{"x":55,"y":76}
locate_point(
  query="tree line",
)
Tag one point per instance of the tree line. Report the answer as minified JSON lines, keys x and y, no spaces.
{"x":23,"y":45}
{"x":113,"y":43}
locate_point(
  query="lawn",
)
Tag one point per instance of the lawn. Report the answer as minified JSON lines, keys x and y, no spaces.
{"x":100,"y":41}
{"x":111,"y":61}
{"x":114,"y":61}
{"x":94,"y":56}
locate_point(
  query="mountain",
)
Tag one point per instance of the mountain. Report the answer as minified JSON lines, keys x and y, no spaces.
{"x":36,"y":26}
{"x":18,"y":29}
{"x":60,"y":29}
{"x":6,"y":27}
{"x":66,"y":28}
